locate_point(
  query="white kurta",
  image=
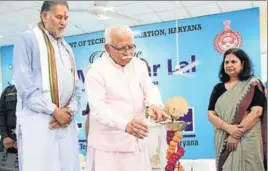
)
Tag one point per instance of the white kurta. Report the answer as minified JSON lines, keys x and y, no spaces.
{"x":116,"y":95}
{"x":42,"y":149}
{"x":132,"y":161}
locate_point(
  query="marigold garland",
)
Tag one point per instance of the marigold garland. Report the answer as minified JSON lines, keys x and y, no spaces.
{"x":174,"y":151}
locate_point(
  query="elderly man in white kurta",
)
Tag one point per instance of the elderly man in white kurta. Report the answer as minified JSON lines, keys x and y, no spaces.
{"x":48,"y":94}
{"x":119,"y":89}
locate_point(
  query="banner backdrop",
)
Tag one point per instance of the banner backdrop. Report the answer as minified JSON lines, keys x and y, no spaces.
{"x":202,"y":39}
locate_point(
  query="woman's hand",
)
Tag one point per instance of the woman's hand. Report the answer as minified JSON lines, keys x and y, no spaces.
{"x":232,"y":143}
{"x":236,"y":131}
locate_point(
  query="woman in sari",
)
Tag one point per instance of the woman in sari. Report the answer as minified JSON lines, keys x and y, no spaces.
{"x":237,"y":110}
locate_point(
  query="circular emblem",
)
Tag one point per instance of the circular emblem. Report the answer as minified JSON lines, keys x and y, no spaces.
{"x":227,"y":39}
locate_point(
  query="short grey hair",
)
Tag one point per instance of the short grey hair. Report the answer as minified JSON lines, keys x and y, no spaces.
{"x":118,"y":29}
{"x":48,"y":5}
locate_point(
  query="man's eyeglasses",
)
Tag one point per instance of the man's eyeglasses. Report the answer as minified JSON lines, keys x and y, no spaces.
{"x":127,"y":48}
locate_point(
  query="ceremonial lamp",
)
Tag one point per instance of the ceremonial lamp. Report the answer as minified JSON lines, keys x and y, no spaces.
{"x":174,"y":107}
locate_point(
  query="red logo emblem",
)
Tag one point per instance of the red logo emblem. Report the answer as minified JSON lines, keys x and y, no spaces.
{"x":227,"y":39}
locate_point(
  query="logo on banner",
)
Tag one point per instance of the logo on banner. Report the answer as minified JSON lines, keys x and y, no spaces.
{"x":189,"y":131}
{"x":94,"y":56}
{"x":227,"y":39}
{"x":189,"y":118}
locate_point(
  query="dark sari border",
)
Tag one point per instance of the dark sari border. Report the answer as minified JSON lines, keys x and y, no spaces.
{"x":240,"y":112}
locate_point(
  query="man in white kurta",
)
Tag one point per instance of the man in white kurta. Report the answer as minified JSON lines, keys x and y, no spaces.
{"x":46,"y":131}
{"x":119,"y":89}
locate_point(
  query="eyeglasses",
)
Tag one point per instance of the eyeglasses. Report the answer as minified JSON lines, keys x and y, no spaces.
{"x":127,"y":48}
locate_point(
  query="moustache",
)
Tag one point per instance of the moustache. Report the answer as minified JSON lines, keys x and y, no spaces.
{"x":127,"y":57}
